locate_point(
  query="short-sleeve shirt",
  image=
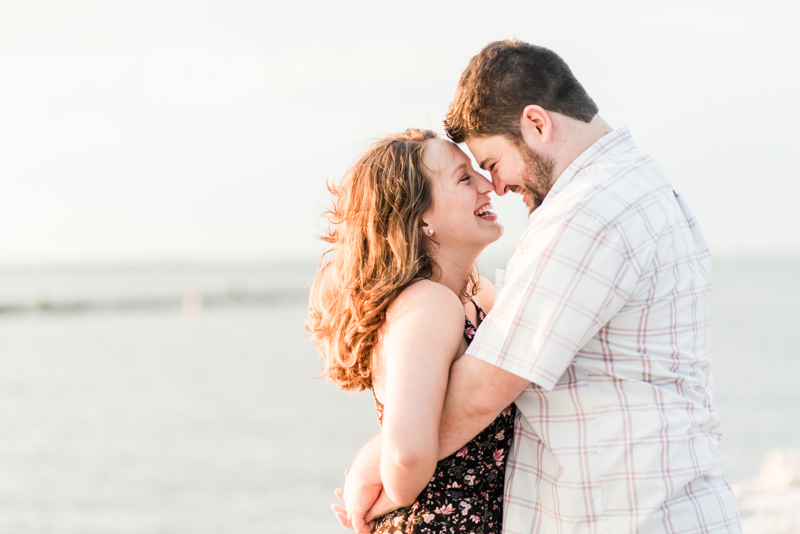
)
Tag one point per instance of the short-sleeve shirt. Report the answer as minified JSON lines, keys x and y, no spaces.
{"x":605,"y":309}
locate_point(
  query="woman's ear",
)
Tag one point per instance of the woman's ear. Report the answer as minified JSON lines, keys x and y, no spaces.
{"x":426,"y":229}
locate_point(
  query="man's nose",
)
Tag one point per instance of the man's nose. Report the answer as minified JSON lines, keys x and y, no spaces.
{"x":500,"y":188}
{"x":485,"y":186}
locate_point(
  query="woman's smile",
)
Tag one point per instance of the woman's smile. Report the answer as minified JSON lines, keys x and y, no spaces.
{"x":485,"y":213}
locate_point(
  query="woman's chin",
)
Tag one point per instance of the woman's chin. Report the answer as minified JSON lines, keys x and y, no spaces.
{"x":494,"y":221}
{"x":495,"y":236}
{"x":499,"y":229}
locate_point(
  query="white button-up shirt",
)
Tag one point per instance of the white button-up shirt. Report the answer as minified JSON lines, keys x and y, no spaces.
{"x":605,"y":309}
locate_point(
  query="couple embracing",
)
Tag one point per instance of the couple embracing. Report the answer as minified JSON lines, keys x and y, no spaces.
{"x":578,"y":399}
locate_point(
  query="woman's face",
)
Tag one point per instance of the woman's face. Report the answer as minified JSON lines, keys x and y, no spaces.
{"x":460,"y":216}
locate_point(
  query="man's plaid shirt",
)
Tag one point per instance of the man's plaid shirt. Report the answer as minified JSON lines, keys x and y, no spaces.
{"x":605,"y":309}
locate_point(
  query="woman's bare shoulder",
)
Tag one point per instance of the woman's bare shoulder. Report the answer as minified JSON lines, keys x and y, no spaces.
{"x":428,"y":297}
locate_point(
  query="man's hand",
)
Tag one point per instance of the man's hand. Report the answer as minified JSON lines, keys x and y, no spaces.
{"x":343,"y":516}
{"x":339,"y":512}
{"x":382,"y":506}
{"x":362,"y":488}
{"x":353,"y":516}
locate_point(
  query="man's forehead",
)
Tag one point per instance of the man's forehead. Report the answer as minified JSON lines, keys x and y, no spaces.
{"x":485,"y":145}
{"x":482,"y":150}
{"x":487,"y":140}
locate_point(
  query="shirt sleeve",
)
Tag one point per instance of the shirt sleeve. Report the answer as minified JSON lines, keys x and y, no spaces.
{"x":565,"y":281}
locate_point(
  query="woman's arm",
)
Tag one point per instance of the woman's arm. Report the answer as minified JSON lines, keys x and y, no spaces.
{"x":422,"y":334}
{"x":477,"y":392}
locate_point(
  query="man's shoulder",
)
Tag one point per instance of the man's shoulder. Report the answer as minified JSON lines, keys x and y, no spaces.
{"x":607,"y":190}
{"x":630,"y":175}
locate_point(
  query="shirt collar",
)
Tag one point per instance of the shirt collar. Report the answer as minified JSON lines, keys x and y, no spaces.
{"x":610,"y":145}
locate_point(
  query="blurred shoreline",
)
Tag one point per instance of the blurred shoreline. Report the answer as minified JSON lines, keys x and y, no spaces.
{"x":121,"y":288}
{"x":183,"y":301}
{"x":177,"y":286}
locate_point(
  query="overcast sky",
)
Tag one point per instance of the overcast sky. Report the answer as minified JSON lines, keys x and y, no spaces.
{"x":204,"y":131}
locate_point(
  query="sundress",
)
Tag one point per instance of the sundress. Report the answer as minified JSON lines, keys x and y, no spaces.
{"x":465,"y":493}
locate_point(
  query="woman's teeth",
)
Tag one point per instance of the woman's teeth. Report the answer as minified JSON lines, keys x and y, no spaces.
{"x":484,"y":211}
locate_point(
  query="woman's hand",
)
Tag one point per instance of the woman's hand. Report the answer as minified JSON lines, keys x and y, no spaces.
{"x":382,"y":506}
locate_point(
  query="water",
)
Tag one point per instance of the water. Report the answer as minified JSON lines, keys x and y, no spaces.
{"x":145,"y":419}
{"x":756,"y":360}
{"x":130,"y":287}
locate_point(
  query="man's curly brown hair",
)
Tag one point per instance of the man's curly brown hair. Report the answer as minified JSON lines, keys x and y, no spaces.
{"x":505,"y":77}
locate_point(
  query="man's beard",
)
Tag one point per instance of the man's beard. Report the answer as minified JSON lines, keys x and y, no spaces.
{"x":539,"y":178}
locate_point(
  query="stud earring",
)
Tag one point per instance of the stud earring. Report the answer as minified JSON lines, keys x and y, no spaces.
{"x":429,"y":232}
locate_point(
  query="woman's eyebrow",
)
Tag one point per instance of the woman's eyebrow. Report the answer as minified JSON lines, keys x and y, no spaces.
{"x":459,"y":170}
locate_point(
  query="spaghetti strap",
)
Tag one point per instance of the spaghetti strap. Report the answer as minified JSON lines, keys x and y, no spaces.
{"x":477,"y":308}
{"x":480,"y":314}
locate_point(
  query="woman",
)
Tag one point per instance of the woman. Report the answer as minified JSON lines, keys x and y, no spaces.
{"x":397,"y":304}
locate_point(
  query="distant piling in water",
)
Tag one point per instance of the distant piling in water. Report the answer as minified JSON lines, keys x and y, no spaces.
{"x":192,"y":305}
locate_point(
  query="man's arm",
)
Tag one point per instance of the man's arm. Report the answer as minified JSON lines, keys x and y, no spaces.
{"x":476,"y":393}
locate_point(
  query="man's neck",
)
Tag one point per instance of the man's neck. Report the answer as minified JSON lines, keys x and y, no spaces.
{"x":574,"y":137}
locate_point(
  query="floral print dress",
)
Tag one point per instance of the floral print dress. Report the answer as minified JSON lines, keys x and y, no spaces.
{"x":465,"y":493}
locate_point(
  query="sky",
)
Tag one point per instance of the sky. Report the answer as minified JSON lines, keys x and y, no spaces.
{"x":164,"y":132}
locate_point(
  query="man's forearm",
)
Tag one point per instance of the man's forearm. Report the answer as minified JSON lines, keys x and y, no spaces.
{"x":476,"y":393}
{"x":367,"y":463}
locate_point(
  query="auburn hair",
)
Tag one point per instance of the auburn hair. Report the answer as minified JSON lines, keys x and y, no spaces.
{"x":378,"y":249}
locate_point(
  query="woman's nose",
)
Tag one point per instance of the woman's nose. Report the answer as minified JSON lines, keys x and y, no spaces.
{"x":485,"y":186}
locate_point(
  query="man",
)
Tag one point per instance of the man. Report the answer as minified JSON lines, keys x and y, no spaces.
{"x":600,"y":333}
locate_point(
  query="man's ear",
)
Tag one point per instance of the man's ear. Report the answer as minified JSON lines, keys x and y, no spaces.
{"x":536,"y":125}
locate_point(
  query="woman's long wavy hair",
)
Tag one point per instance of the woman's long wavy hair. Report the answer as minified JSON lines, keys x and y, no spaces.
{"x":378,"y":250}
